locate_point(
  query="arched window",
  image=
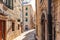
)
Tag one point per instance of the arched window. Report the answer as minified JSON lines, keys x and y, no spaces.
{"x":8,"y":3}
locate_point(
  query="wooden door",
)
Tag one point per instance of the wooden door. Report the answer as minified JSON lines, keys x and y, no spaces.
{"x":0,"y":30}
{"x":43,"y":26}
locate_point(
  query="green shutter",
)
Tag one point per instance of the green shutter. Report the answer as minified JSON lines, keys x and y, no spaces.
{"x":26,"y":8}
{"x":26,"y":14}
{"x":11,"y":4}
{"x":8,"y":3}
{"x":26,"y":19}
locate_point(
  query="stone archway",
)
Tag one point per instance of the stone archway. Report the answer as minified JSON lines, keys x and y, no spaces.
{"x":43,"y":26}
{"x":46,"y":27}
{"x":44,"y":23}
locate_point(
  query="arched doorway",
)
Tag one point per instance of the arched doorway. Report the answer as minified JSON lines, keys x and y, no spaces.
{"x":43,"y":26}
{"x":47,"y":28}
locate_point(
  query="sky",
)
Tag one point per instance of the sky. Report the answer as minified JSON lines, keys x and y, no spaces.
{"x":32,"y":2}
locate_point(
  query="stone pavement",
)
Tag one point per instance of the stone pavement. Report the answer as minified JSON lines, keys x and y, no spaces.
{"x":28,"y":35}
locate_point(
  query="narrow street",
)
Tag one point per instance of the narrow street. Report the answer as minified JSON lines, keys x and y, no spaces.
{"x":28,"y":35}
{"x":29,"y":19}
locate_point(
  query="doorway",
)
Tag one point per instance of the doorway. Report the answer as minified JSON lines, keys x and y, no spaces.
{"x":43,"y":26}
{"x":2,"y":29}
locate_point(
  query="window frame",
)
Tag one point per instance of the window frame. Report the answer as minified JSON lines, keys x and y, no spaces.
{"x":9,"y":3}
{"x":26,"y":8}
{"x":18,"y":26}
{"x":26,"y":19}
{"x":26,"y":27}
{"x":13,"y":25}
{"x":26,"y":14}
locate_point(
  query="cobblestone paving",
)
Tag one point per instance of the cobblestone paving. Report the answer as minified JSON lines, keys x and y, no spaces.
{"x":30,"y":36}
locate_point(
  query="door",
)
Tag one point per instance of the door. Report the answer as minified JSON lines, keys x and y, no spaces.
{"x":43,"y":26}
{"x":2,"y":30}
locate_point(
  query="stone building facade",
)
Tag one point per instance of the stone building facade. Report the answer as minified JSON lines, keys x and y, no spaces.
{"x":56,"y":18}
{"x":41,"y":19}
{"x":47,"y":19}
{"x":34,"y":19}
{"x":9,"y":19}
{"x":27,"y":15}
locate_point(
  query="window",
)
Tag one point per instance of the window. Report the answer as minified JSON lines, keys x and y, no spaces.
{"x":26,"y":8}
{"x":18,"y":20}
{"x":26,"y":14}
{"x":9,"y":3}
{"x":18,"y":26}
{"x":12,"y":26}
{"x":26,"y":27}
{"x":40,"y":1}
{"x":26,"y":20}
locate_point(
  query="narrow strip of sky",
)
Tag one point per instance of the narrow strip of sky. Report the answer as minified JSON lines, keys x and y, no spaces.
{"x":32,"y":2}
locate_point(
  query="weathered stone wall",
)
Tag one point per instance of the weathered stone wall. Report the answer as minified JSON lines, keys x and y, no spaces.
{"x":56,"y":6}
{"x":42,"y":7}
{"x":29,"y":12}
{"x":13,"y":16}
